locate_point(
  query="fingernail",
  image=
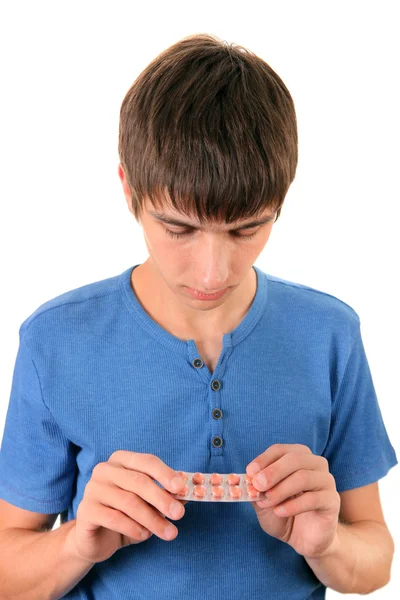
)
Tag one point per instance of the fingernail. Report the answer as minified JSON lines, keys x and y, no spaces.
{"x":261,"y":481}
{"x":175,"y":510}
{"x":169,"y":531}
{"x":177,"y":483}
{"x":253,"y":469}
{"x":145,"y":534}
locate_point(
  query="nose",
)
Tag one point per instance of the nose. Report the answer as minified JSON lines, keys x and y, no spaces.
{"x":211,"y":264}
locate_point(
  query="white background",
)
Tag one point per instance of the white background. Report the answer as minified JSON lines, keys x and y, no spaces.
{"x":64,"y":222}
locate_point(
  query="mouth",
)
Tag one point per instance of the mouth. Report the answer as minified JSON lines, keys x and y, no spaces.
{"x":206,"y":295}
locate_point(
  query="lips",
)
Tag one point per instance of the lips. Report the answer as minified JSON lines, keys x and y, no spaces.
{"x":206,"y":296}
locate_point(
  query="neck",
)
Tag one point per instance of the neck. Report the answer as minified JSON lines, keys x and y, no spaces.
{"x":179,"y":317}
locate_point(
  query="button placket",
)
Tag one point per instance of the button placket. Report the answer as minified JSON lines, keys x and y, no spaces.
{"x":216,"y":440}
{"x":214,"y":381}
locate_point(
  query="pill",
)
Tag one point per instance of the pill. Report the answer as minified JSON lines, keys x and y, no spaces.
{"x":199,"y":491}
{"x":235,"y":491}
{"x":252,"y":492}
{"x":215,"y":479}
{"x":183,"y":492}
{"x":217,"y":491}
{"x":248,"y":479}
{"x":198,"y":478}
{"x":233,"y":479}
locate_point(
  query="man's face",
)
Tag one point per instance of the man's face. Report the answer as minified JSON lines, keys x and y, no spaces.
{"x":206,"y":258}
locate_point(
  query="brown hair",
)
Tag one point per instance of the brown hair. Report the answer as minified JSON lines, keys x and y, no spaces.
{"x":213,"y":125}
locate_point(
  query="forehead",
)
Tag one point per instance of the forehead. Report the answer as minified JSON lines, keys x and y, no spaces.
{"x":165,"y":210}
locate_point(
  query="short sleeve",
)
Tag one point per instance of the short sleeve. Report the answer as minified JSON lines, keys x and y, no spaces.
{"x":358,"y":450}
{"x":37,"y":462}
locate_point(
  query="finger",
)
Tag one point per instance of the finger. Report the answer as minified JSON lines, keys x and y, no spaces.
{"x":297,"y":483}
{"x":114,"y":520}
{"x":182,"y":501}
{"x":149,"y":464}
{"x":132,"y":507}
{"x":286,"y":465}
{"x":272,"y":454}
{"x":321,"y":500}
{"x":142,"y":483}
{"x":145,"y":487}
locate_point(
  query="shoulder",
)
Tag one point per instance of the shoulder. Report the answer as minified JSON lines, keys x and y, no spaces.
{"x":306,"y":295}
{"x":311,"y":309}
{"x":78,"y":306}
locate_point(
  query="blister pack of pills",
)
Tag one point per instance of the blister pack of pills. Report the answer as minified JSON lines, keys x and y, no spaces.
{"x":218,"y":487}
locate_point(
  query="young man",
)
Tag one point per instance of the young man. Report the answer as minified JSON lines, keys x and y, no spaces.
{"x":195,"y":360}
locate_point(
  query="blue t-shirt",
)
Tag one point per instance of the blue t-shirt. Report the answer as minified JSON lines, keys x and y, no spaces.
{"x":94,"y":373}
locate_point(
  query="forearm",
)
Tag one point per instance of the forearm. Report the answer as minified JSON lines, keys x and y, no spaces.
{"x":38,"y":565}
{"x":359,"y":560}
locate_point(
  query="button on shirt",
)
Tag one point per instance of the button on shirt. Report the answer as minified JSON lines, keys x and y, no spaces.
{"x":94,"y":373}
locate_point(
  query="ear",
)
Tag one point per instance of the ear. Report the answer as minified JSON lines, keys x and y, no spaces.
{"x":125,"y":186}
{"x":122,"y":176}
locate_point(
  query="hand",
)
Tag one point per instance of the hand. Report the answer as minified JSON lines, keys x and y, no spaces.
{"x":122,"y":500}
{"x":298,"y":482}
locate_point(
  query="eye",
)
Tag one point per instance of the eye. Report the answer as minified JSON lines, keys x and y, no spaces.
{"x":247,"y":235}
{"x":175,"y":235}
{"x":178,"y":235}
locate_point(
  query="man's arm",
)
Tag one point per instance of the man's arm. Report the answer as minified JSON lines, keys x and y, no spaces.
{"x":359,"y":561}
{"x":39,"y":565}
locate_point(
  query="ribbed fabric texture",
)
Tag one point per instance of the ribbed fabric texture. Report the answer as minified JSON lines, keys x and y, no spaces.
{"x":94,"y":373}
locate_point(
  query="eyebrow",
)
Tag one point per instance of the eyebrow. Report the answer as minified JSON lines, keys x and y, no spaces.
{"x":178,"y":223}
